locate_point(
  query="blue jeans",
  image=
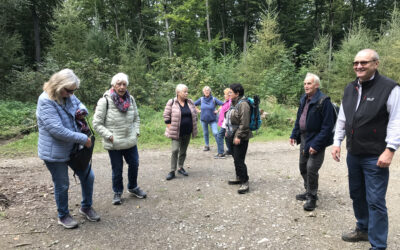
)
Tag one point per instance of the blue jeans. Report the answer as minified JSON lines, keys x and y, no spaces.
{"x":131,"y":156}
{"x":214,"y":129}
{"x":220,"y":142}
{"x":368,"y":185}
{"x":59,"y":174}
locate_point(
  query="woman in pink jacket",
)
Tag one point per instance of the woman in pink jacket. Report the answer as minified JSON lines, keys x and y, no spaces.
{"x":221,"y":133}
{"x":180,"y":116}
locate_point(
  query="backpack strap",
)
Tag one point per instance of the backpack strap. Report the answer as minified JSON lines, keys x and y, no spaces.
{"x":320,"y":103}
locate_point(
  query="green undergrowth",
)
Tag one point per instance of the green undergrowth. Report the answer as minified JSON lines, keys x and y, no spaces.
{"x":277,"y":124}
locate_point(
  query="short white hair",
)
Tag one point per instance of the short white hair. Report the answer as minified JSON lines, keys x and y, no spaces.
{"x":180,"y":87}
{"x":374,"y":54}
{"x":315,"y":77}
{"x":120,"y":77}
{"x":206,"y":88}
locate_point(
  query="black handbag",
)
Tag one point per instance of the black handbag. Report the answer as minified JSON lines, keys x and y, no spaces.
{"x":81,"y":156}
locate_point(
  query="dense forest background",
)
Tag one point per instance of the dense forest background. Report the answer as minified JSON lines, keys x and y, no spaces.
{"x":267,"y":45}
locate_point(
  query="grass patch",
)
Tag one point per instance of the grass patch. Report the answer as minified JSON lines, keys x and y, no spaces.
{"x":16,"y":117}
{"x":276,"y":126}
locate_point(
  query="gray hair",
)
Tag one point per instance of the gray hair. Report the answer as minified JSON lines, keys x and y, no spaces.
{"x":375,"y":55}
{"x":206,"y":88}
{"x":180,"y":87}
{"x":120,"y":77}
{"x":315,"y":77}
{"x":65,"y":78}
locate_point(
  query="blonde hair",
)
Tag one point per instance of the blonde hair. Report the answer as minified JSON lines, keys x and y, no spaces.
{"x":226,"y":91}
{"x":120,"y":77}
{"x":65,"y":78}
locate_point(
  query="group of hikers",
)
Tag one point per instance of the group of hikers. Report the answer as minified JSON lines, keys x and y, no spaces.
{"x":368,"y":117}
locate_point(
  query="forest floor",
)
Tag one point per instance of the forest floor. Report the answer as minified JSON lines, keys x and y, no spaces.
{"x":196,"y":212}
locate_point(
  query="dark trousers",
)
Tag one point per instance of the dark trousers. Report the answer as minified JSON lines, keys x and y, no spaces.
{"x":131,"y":156}
{"x":239,"y":155}
{"x":309,"y":166}
{"x":368,"y":185}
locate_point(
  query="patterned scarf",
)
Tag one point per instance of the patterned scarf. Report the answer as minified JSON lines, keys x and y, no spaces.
{"x":80,"y":121}
{"x":122,"y":103}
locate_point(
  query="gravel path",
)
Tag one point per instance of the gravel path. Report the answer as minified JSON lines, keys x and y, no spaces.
{"x":196,"y":212}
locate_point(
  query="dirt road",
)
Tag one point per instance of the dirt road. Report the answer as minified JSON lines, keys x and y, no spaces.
{"x":196,"y":212}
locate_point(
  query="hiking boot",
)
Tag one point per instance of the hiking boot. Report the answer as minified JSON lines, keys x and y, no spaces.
{"x":354,"y":236}
{"x":219,"y":156}
{"x":206,"y":148}
{"x":171,"y":175}
{"x":68,"y":222}
{"x":310,"y":204}
{"x":183,"y":172}
{"x":89,"y":213}
{"x":117,"y":199}
{"x":244,"y":188}
{"x":301,"y":197}
{"x":235,"y":181}
{"x":137,"y":192}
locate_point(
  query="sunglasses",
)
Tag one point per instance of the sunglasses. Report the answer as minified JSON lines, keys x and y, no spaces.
{"x":363,"y":63}
{"x":70,"y":91}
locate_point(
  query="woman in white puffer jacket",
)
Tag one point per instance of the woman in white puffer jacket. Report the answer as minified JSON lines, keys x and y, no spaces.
{"x":116,"y":119}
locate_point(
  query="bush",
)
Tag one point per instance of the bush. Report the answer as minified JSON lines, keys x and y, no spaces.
{"x":16,"y":117}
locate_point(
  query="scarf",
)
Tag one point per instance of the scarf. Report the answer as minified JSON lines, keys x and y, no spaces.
{"x":122,"y":103}
{"x":80,"y":120}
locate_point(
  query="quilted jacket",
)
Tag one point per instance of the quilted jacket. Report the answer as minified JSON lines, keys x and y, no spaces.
{"x":123,"y":126}
{"x":172,"y":113}
{"x":58,"y":131}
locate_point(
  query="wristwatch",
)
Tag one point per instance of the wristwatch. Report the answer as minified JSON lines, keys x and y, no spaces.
{"x":391,"y":149}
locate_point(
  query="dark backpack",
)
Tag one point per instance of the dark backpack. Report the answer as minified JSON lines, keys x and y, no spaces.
{"x":255,"y":118}
{"x":320,"y":105}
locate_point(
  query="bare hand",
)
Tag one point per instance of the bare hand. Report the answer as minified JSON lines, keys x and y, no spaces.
{"x":88,"y":143}
{"x":236,"y":141}
{"x":168,"y":125}
{"x":385,"y":159}
{"x":111,"y":139}
{"x":336,"y":153}
{"x":292,"y":141}
{"x":312,"y":151}
{"x":215,"y":111}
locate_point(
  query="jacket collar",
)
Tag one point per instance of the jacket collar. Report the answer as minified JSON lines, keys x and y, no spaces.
{"x":314,"y":98}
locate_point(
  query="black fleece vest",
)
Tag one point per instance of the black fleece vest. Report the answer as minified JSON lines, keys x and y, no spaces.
{"x":366,"y":127}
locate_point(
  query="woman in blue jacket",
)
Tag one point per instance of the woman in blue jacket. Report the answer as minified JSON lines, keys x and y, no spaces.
{"x":57,"y":111}
{"x":208,"y":115}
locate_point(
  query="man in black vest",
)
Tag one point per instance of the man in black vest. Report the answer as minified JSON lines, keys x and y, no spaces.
{"x":313,"y":130}
{"x":369,"y":118}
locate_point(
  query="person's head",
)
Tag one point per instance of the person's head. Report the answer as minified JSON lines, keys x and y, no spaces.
{"x":181,"y":91}
{"x":120,"y":83}
{"x":226,"y":93}
{"x":365,"y":64}
{"x":311,"y":84}
{"x":236,"y":90}
{"x":61,"y":85}
{"x":207,"y":91}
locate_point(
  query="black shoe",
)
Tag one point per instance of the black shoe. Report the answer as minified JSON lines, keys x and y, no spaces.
{"x":171,"y":175}
{"x":117,"y":199}
{"x":235,"y":181}
{"x":301,"y":197}
{"x":244,"y":188}
{"x":228,"y":153}
{"x":182,"y":172}
{"x":354,"y":236}
{"x":206,"y":148}
{"x":310,"y":204}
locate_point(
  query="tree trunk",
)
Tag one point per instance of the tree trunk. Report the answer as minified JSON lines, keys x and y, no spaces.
{"x":36,"y":32}
{"x":222,"y":15}
{"x":330,"y":42}
{"x":139,"y":8}
{"x":115,"y":20}
{"x":246,"y":27}
{"x":167,"y":30}
{"x":208,"y":26}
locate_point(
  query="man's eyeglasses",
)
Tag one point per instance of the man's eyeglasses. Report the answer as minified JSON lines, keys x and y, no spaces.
{"x":363,"y":63}
{"x":70,"y":91}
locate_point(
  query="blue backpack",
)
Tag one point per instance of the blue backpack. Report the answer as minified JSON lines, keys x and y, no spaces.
{"x":255,"y":118}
